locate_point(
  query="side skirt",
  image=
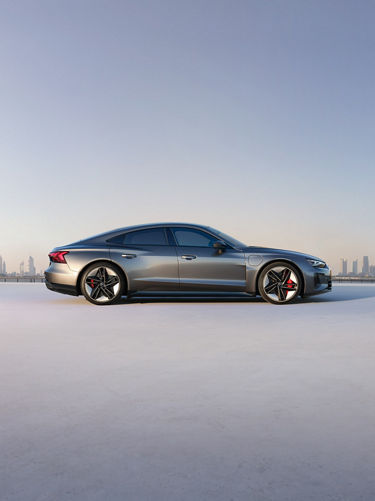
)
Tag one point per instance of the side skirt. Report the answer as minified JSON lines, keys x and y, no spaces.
{"x":190,"y":295}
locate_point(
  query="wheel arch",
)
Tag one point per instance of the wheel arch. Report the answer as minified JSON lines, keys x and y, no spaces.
{"x":96,"y":261}
{"x":283,"y":260}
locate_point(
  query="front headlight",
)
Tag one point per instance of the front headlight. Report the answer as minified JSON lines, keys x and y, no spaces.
{"x":317,"y":263}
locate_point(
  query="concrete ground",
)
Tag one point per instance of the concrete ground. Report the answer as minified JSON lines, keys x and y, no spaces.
{"x":187,"y":400}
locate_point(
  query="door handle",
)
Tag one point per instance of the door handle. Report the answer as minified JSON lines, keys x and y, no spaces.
{"x":129,"y":256}
{"x":189,"y":257}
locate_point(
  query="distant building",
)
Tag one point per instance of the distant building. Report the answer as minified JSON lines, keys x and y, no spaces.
{"x":1,"y":265}
{"x":366,"y":266}
{"x":4,"y":268}
{"x":344,"y":269}
{"x":355,"y":267}
{"x":22,"y":268}
{"x":32,"y":269}
{"x":372,"y":271}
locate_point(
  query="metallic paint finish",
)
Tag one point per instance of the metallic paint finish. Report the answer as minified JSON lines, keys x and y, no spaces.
{"x":185,"y":268}
{"x":154,"y":267}
{"x":255,"y":259}
{"x":212,"y":269}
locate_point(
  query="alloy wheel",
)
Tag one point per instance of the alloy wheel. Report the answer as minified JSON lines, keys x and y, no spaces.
{"x":102,"y":284}
{"x":280,"y":284}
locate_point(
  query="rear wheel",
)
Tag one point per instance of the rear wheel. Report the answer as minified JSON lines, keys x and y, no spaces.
{"x":280,"y":283}
{"x":102,"y":284}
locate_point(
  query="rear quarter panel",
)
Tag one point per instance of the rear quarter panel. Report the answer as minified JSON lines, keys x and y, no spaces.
{"x":79,"y":258}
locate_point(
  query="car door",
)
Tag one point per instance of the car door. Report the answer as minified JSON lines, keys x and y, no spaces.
{"x":149,"y":261}
{"x":205,"y":268}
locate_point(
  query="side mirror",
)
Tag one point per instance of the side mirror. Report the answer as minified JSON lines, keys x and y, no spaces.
{"x":220,"y":245}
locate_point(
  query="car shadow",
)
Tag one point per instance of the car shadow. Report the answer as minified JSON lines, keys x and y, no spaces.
{"x":189,"y":299}
{"x":340,"y":293}
{"x":343,"y":293}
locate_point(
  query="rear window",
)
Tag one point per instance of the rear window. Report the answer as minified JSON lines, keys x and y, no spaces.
{"x":155,"y":236}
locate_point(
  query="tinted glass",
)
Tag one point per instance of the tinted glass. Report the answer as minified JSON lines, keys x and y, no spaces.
{"x":116,"y":240}
{"x":155,"y":236}
{"x":193,"y":238}
{"x":228,"y":238}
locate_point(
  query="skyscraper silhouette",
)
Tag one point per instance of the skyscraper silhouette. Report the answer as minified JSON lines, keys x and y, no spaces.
{"x":344,"y":267}
{"x":32,"y":270}
{"x":366,"y":266}
{"x":355,"y":267}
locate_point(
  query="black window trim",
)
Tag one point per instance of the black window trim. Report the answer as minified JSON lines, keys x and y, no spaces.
{"x":170,"y":236}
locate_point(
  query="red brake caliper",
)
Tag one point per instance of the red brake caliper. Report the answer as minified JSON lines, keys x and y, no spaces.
{"x":290,"y":284}
{"x":92,"y":283}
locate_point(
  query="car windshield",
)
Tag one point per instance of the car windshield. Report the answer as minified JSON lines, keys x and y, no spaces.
{"x":232,"y":241}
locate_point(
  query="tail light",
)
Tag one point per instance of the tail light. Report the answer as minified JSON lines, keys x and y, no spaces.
{"x":58,"y":257}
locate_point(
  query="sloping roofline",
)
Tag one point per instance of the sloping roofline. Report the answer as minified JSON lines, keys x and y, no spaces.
{"x":114,"y":232}
{"x":102,"y":238}
{"x":152,"y":225}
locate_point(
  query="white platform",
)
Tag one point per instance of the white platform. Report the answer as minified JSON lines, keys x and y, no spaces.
{"x":187,"y":401}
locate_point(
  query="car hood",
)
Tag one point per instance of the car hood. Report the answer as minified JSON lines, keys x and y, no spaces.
{"x":255,"y":249}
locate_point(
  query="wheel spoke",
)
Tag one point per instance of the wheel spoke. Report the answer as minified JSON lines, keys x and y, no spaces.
{"x":274,"y":276}
{"x":108,"y":292}
{"x":96,"y":292}
{"x":100,"y":274}
{"x":281,"y":293}
{"x":271,"y":287}
{"x":112,"y":280}
{"x":285,"y":275}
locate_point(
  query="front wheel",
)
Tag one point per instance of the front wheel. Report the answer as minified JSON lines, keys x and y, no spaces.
{"x":102,"y":284}
{"x":280,"y":283}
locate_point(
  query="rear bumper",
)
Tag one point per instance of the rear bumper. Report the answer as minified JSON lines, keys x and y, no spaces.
{"x":71,"y":290}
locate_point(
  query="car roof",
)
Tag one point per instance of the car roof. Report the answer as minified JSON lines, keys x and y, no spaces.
{"x":111,"y":233}
{"x":152,"y":225}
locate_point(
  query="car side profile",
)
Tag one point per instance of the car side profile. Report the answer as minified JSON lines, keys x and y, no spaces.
{"x":181,"y":258}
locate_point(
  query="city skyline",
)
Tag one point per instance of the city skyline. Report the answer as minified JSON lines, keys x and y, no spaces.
{"x":367,"y":269}
{"x":31,"y":271}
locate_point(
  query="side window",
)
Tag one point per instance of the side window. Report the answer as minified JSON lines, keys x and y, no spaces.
{"x":118,"y":239}
{"x":153,"y":236}
{"x":189,"y":237}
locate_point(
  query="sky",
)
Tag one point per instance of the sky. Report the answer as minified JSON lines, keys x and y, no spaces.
{"x":255,"y":117}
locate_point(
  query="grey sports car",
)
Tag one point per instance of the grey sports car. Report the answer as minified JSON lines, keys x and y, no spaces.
{"x":181,"y":259}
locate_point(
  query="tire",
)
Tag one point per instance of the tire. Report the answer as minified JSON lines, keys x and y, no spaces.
{"x":102,"y":284}
{"x":280,"y":283}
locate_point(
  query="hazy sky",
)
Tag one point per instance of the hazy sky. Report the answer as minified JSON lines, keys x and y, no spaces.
{"x":256,"y":117}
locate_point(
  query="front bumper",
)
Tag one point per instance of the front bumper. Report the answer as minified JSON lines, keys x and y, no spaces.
{"x":318,"y":281}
